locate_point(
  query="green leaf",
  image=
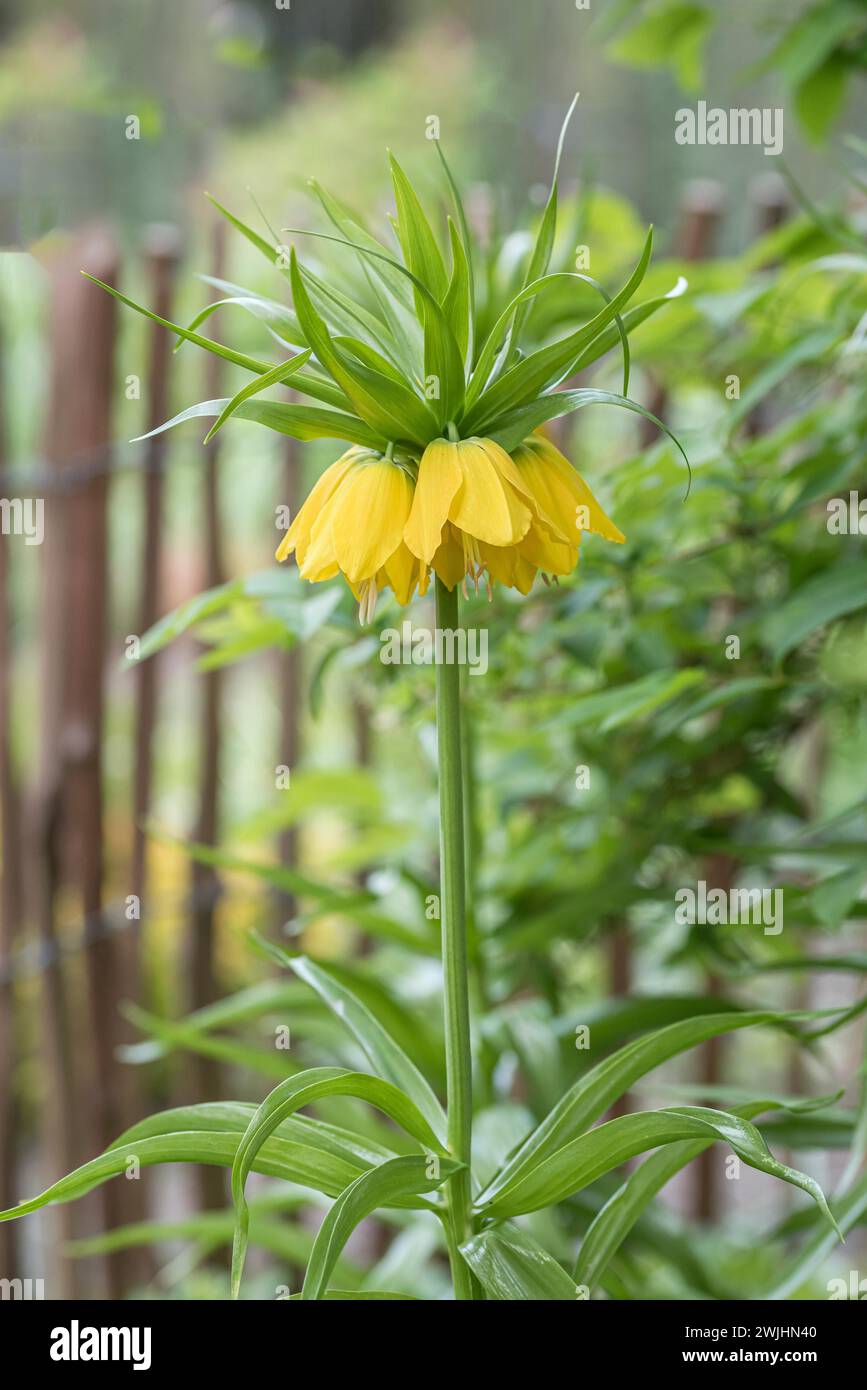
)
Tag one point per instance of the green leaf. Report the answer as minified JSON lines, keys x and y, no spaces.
{"x":633,"y":318}
{"x":234,"y":1116}
{"x":420,"y":249}
{"x":443,"y":353}
{"x":380,"y":1049}
{"x":829,"y":595}
{"x":819,"y":99}
{"x":343,"y":315}
{"x":303,"y":612}
{"x":290,"y":1242}
{"x":266,"y":996}
{"x":673,"y":34}
{"x":391,"y":1181}
{"x":278,"y":318}
{"x":457,"y":305}
{"x":186,"y":615}
{"x":240,"y":359}
{"x":833,"y":897}
{"x":544,"y":244}
{"x":293,"y":1094}
{"x":613,"y":1223}
{"x":551,"y":1179}
{"x":849,"y":1209}
{"x":271,"y":252}
{"x":549,"y":365}
{"x":495,"y":349}
{"x":297,"y":421}
{"x":466,"y":239}
{"x":515,"y":426}
{"x":816,"y":34}
{"x":361,"y":1296}
{"x":513,"y":1267}
{"x":442,"y":357}
{"x":301,"y":1159}
{"x":180,"y":1035}
{"x":611,"y":709}
{"x":388,"y":407}
{"x":611,"y":1078}
{"x":282,"y":372}
{"x":374,"y":257}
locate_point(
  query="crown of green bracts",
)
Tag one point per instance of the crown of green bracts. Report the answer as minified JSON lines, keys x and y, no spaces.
{"x":440,"y":397}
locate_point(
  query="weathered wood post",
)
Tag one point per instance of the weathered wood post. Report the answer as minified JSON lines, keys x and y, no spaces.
{"x":85,"y":347}
{"x":162,"y":252}
{"x":204,"y":882}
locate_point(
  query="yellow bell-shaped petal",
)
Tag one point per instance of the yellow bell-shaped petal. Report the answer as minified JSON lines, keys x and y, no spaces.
{"x":559,"y":491}
{"x":366,"y":516}
{"x":352,"y":523}
{"x":474,"y":484}
{"x":297,"y":538}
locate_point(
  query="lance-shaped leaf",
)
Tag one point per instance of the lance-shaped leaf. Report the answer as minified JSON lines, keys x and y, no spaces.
{"x":272,"y":253}
{"x":281,"y":373}
{"x":352,"y":230}
{"x":495,"y":348}
{"x":387,"y":406}
{"x":297,"y":421}
{"x":383,"y":1053}
{"x":633,"y":318}
{"x":544,"y":244}
{"x":849,"y":1210}
{"x":512,"y":428}
{"x":343,"y":315}
{"x":443,"y":364}
{"x":420,"y":249}
{"x":279,"y":319}
{"x":611,"y":1078}
{"x":294,"y":1160}
{"x":240,"y":359}
{"x":549,"y":365}
{"x":390,"y":1183}
{"x":512,"y":1266}
{"x":583,"y":1160}
{"x":457,"y":305}
{"x":464,"y":230}
{"x":293,"y":1095}
{"x":612,"y":1225}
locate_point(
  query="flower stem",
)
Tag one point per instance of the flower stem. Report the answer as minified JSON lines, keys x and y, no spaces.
{"x":459,"y":1074}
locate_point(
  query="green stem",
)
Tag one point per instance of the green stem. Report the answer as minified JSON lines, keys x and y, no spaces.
{"x":459,"y":1075}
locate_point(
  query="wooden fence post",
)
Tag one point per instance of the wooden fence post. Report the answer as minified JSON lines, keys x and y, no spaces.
{"x":162,"y":252}
{"x":204,"y":882}
{"x":161,"y":249}
{"x":83,"y":407}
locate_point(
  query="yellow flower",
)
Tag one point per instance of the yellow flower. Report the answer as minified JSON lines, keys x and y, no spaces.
{"x":560,"y":492}
{"x":474,"y":512}
{"x":564,"y":507}
{"x":468,"y":494}
{"x":479,"y":511}
{"x":353,"y":523}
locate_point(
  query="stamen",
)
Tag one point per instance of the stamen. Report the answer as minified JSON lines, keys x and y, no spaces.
{"x":367,"y":602}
